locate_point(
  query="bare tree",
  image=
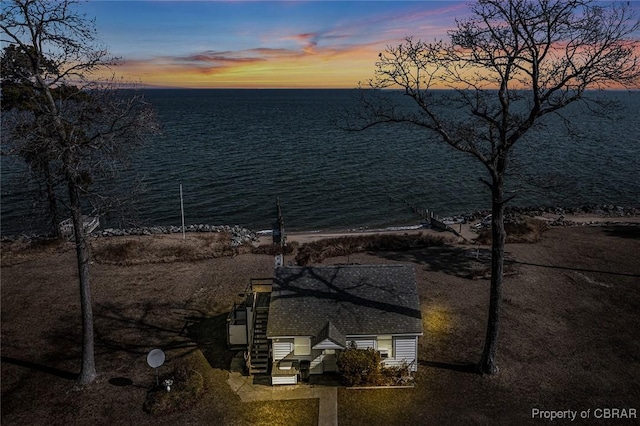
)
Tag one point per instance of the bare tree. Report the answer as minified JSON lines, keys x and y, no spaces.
{"x":18,"y":95}
{"x":511,"y":63}
{"x":77,"y":127}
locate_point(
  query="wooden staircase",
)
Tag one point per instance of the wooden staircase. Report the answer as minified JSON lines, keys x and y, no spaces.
{"x":259,"y":354}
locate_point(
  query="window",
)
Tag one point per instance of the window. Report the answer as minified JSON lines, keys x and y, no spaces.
{"x":385,"y":346}
{"x":302,"y":346}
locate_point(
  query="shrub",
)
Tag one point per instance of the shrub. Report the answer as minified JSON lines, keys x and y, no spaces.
{"x":317,"y":251}
{"x":359,"y":367}
{"x":16,"y":251}
{"x":117,"y":251}
{"x":397,"y":375}
{"x":362,"y":367}
{"x":139,"y":250}
{"x":274,"y":249}
{"x":528,"y":231}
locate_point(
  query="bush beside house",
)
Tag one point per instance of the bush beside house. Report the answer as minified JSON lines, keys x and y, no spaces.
{"x":363,"y":367}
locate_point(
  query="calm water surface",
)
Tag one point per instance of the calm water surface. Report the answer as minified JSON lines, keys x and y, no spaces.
{"x":235,"y":151}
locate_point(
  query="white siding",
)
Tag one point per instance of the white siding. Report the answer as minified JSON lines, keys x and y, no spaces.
{"x":316,"y":365}
{"x":281,"y":348}
{"x":327,"y":344}
{"x":284,"y":380}
{"x":330,"y":362}
{"x":325,"y":362}
{"x":362,"y":342}
{"x":405,"y":349}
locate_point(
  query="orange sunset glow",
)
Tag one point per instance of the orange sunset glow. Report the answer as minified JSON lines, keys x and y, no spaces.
{"x":261,"y":44}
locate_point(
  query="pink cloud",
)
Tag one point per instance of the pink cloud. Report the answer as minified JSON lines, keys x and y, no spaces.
{"x":345,"y":48}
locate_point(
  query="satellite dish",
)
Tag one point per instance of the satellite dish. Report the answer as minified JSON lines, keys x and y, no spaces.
{"x":155,"y":358}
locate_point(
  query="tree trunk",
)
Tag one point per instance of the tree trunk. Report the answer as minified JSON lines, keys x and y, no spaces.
{"x":498,"y":234}
{"x":53,"y":203}
{"x":88,"y":369}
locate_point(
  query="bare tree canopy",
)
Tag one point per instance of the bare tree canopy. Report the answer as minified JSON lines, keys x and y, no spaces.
{"x":53,"y":104}
{"x":66,"y":125}
{"x":508,"y":65}
{"x":55,"y":33}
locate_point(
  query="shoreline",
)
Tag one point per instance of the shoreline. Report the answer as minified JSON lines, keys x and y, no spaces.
{"x":466,"y":230}
{"x":465,"y":224}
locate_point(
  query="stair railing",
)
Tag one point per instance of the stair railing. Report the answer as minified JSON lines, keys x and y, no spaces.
{"x":252,"y":331}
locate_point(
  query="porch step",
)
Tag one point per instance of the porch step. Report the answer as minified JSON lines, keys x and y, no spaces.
{"x":259,"y":365}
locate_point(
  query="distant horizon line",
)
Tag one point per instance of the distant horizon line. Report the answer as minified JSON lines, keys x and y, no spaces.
{"x":334,"y":88}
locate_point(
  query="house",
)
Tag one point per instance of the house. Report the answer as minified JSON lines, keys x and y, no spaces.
{"x":312,"y":313}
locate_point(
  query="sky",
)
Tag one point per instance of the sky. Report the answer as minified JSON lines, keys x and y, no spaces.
{"x":261,"y":44}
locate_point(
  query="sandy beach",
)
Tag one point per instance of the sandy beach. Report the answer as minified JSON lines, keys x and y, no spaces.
{"x":466,"y":230}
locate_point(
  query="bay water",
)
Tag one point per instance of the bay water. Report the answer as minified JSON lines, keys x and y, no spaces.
{"x":235,"y":151}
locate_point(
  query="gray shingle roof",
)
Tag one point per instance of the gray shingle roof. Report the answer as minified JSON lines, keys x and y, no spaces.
{"x":357,"y":299}
{"x":331,"y":333}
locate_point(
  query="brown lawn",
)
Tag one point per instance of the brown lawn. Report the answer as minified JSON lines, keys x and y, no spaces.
{"x":570,"y":336}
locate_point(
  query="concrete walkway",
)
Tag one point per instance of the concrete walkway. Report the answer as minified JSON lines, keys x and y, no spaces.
{"x":328,"y":407}
{"x":328,"y":395}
